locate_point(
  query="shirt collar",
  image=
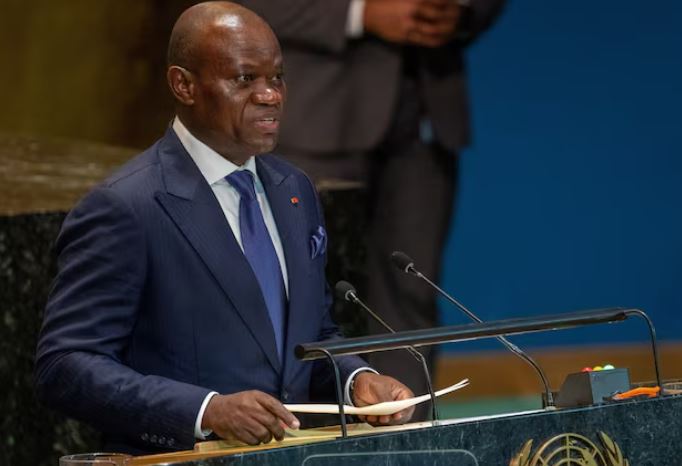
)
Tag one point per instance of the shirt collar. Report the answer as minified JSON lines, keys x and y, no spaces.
{"x":213,"y":166}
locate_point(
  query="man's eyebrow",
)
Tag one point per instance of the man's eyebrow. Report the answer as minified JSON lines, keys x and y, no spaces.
{"x":253,"y":67}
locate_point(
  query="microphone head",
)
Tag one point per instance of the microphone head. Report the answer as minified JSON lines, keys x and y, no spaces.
{"x":344,"y":290}
{"x":402,"y":261}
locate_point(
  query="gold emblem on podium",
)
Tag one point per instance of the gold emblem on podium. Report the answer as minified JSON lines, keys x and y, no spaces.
{"x":571,"y":450}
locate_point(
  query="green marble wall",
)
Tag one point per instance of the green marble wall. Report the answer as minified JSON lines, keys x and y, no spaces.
{"x":31,"y":434}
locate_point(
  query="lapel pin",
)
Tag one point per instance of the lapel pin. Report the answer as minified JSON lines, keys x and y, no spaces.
{"x":294,"y":201}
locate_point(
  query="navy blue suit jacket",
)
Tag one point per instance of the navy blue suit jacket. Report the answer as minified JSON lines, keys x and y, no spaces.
{"x":155,"y":305}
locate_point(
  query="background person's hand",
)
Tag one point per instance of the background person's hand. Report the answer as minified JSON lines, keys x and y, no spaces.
{"x":251,"y":417}
{"x":437,"y":22}
{"x":426,"y":23}
{"x":371,"y":388}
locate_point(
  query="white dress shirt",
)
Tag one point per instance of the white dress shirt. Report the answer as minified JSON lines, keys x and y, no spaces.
{"x":214,"y":169}
{"x":356,"y":18}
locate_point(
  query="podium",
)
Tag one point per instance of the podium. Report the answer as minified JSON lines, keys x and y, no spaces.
{"x":635,"y":433}
{"x":616,"y":433}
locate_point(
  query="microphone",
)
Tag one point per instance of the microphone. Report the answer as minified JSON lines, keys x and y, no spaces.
{"x":405,"y":263}
{"x":347,"y":292}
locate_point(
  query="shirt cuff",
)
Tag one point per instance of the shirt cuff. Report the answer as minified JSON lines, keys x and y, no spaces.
{"x":349,"y":381}
{"x":198,"y":432}
{"x":355,"y":21}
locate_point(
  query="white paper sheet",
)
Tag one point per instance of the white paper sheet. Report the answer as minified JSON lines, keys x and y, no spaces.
{"x":379,"y":409}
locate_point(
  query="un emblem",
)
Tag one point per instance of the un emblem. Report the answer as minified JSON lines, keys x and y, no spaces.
{"x":571,"y":450}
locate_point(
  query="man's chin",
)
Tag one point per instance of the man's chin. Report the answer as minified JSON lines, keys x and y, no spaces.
{"x":264,"y":146}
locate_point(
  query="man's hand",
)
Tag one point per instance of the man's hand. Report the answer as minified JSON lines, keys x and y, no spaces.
{"x":371,"y":388}
{"x":426,"y":23}
{"x":252,"y":417}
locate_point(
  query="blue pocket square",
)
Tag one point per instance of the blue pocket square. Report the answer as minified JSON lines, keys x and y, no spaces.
{"x":318,"y":243}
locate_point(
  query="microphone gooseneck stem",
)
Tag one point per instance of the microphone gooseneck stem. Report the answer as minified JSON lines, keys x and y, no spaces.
{"x":351,"y":296}
{"x":429,"y":386}
{"x":511,"y":346}
{"x":339,"y":392}
{"x":652,"y":335}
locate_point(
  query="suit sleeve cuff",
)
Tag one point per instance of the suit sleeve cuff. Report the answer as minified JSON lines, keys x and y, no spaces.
{"x":349,"y":381}
{"x":354,"y":22}
{"x":198,"y":432}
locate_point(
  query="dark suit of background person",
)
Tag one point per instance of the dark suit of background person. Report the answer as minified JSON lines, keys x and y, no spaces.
{"x":354,"y":112}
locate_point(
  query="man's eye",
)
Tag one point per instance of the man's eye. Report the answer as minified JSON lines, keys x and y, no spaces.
{"x":279,"y":77}
{"x":244,"y":78}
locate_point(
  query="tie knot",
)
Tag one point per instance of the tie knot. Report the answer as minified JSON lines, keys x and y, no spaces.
{"x":242,"y":181}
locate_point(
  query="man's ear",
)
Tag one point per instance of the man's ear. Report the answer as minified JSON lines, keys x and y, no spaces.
{"x":181,"y":83}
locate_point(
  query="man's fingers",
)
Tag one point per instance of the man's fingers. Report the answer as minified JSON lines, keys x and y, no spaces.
{"x":272,"y":423}
{"x":262,"y":433}
{"x":437,"y":11}
{"x":278,"y":409}
{"x":251,"y":417}
{"x":360,"y":402}
{"x":244,"y":435}
{"x":373,"y":388}
{"x":429,"y":13}
{"x":437,"y":15}
{"x":258,"y":430}
{"x":435,"y":30}
{"x":435,"y":24}
{"x":402,"y":393}
{"x":397,"y":417}
{"x":278,"y":434}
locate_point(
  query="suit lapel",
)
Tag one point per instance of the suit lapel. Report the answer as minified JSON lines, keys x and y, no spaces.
{"x":191,"y":204}
{"x":291,"y":225}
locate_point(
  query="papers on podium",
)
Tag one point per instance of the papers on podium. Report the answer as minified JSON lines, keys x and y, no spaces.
{"x":379,"y":409}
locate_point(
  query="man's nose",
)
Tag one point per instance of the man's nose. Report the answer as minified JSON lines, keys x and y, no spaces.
{"x":267,"y":94}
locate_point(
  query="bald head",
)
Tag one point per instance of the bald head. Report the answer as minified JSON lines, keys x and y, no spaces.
{"x":197,"y":24}
{"x":225,"y":72}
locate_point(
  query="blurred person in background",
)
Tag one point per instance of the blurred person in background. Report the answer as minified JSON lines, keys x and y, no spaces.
{"x":377,"y":93}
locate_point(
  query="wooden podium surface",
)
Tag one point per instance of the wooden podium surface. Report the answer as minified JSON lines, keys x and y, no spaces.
{"x":638,"y":433}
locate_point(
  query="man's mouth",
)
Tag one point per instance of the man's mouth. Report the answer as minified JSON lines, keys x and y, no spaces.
{"x":268,"y":124}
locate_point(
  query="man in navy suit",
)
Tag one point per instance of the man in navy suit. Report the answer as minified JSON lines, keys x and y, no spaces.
{"x":187,"y":277}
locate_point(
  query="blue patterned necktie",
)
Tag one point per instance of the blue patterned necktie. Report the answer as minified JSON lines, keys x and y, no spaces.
{"x":260,"y":252}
